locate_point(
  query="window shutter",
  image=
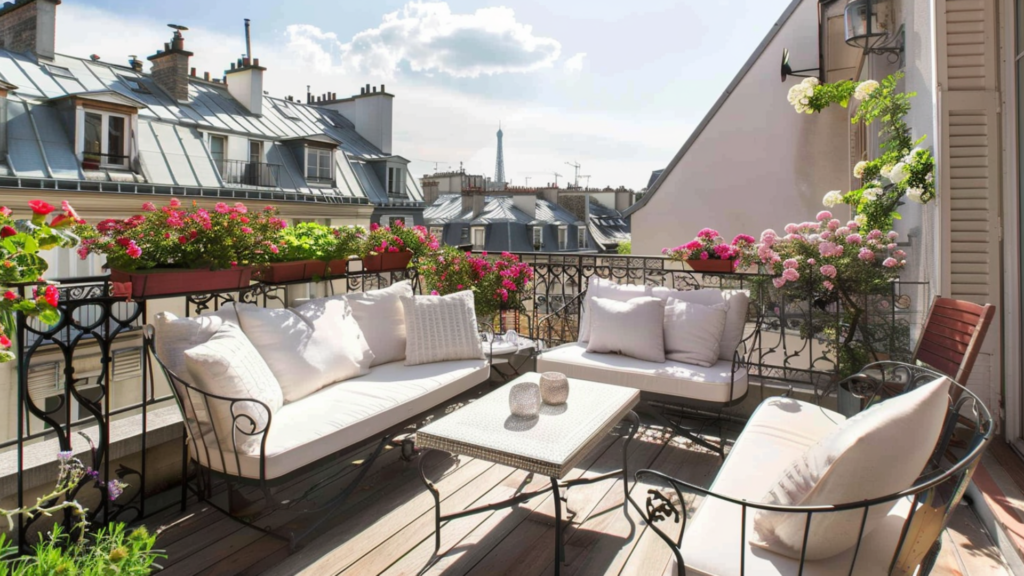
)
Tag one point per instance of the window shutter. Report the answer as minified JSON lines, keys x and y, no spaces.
{"x":969,"y":152}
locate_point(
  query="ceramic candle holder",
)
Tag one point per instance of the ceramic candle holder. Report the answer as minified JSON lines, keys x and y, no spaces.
{"x":554,"y":388}
{"x":524,"y":400}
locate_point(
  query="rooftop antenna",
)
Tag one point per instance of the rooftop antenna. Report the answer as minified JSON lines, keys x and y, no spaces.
{"x":575,"y":165}
{"x":248,"y":41}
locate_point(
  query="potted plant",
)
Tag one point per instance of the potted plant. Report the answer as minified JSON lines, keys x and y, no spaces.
{"x":708,"y":252}
{"x":394,"y":247}
{"x":21,"y":241}
{"x":348,"y":240}
{"x":177,"y":249}
{"x":498,"y":284}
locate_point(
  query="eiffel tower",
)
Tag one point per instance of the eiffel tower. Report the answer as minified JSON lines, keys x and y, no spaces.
{"x":499,"y":164}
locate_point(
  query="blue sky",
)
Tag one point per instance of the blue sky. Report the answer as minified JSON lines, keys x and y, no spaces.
{"x":616,"y":86}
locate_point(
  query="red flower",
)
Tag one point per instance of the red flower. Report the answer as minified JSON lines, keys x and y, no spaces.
{"x":40,"y":207}
{"x":7,"y":231}
{"x":10,"y":295}
{"x":5,"y":342}
{"x":182,"y":239}
{"x":5,"y":211}
{"x":51,"y":295}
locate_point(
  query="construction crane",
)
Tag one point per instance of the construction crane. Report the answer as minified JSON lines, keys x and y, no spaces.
{"x":587,"y":176}
{"x":557,"y":176}
{"x":527,"y":181}
{"x":576,"y":166}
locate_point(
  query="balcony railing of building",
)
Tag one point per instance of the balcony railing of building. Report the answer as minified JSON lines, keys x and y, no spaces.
{"x":68,"y":373}
{"x":243,"y":173}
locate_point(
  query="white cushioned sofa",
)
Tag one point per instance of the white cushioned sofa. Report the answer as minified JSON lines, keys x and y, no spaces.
{"x":260,"y":434}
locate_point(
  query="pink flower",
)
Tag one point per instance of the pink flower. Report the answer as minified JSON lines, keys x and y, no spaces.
{"x":866,"y":254}
{"x":824,"y":215}
{"x":833,"y":224}
{"x":825,"y":235}
{"x":828,"y":285}
{"x":852,"y":225}
{"x":246,"y":230}
{"x":899,"y":254}
{"x":790,"y":263}
{"x":5,"y":211}
{"x":874,"y":234}
{"x":374,"y":227}
{"x":827,"y":249}
{"x":459,"y":287}
{"x":828,"y":270}
{"x":704,"y":256}
{"x":843,"y":231}
{"x":768,"y":237}
{"x":892,"y":235}
{"x":791,"y":228}
{"x":812,"y":261}
{"x":149,"y":207}
{"x":5,"y":342}
{"x":853,"y":239}
{"x":240,"y":208}
{"x":790,"y":275}
{"x":434,"y":293}
{"x":743,"y":239}
{"x":182,"y":239}
{"x":274,"y":248}
{"x":174,"y":203}
{"x":222,"y":208}
{"x":890,"y":263}
{"x":708,"y":233}
{"x":39,"y":207}
{"x":891,"y":246}
{"x":133,"y":250}
{"x":779,"y":282}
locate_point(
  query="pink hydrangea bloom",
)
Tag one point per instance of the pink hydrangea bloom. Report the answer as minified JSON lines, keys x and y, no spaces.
{"x":825,"y":235}
{"x":221,"y":208}
{"x":899,"y":254}
{"x":853,"y":239}
{"x":791,"y":228}
{"x":779,"y":282}
{"x":891,"y":246}
{"x":866,"y":254}
{"x":828,"y":285}
{"x":828,"y":270}
{"x":708,"y":233}
{"x":175,"y":203}
{"x":833,"y":224}
{"x":827,"y":249}
{"x":875,"y":234}
{"x":790,"y":275}
{"x":824,"y":215}
{"x":843,"y":231}
{"x":149,"y":207}
{"x":890,"y":262}
{"x":790,"y":263}
{"x":852,"y":225}
{"x":812,"y":261}
{"x":893,"y":235}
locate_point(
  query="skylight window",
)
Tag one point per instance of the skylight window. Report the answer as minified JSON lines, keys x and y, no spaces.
{"x":59,"y":71}
{"x":134,"y":84}
{"x":286,"y":111}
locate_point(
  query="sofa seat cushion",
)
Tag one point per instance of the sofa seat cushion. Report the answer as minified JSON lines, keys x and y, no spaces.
{"x":344,"y":414}
{"x":779,"y":431}
{"x":709,"y":384}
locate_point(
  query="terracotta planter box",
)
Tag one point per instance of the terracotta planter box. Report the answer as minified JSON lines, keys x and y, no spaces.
{"x":710,"y":265}
{"x":167,"y":281}
{"x":280,"y":272}
{"x":336,"y":268}
{"x":387,"y":261}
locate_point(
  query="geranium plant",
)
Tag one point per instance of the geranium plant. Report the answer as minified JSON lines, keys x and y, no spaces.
{"x":497,"y":283}
{"x":710,"y":245}
{"x":21,"y":241}
{"x":837,"y":268}
{"x":179,"y":236}
{"x":398,"y":238}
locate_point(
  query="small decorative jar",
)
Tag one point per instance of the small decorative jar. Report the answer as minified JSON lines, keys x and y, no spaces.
{"x":524,"y":400}
{"x":554,"y":388}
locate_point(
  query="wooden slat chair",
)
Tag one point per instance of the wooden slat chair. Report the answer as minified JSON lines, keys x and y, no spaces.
{"x":952,"y":337}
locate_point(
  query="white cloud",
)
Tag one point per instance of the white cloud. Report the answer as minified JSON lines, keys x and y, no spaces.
{"x":429,"y":38}
{"x":575,"y":63}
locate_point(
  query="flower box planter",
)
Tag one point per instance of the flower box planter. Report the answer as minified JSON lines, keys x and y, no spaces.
{"x":281,"y":272}
{"x":387,"y":261}
{"x":711,"y":265}
{"x":167,"y":281}
{"x":336,"y":268}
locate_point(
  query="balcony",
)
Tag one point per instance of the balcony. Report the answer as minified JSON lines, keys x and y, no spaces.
{"x":387,"y":523}
{"x":242,"y":173}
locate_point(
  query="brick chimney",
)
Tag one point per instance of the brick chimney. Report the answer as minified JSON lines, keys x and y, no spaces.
{"x":170,"y":68}
{"x":29,"y":26}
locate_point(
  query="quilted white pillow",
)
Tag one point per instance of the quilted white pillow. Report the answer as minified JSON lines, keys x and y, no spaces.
{"x":878,"y":452}
{"x":441,"y":328}
{"x":693,"y":333}
{"x":601,"y":288}
{"x":735,"y":321}
{"x":381,"y":317}
{"x":312,"y":346}
{"x":228,"y":365}
{"x":635,"y":328}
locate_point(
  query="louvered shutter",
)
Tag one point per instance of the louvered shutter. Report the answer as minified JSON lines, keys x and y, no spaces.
{"x":969,"y":170}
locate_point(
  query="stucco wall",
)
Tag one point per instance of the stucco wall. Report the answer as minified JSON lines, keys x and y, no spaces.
{"x":757,"y":164}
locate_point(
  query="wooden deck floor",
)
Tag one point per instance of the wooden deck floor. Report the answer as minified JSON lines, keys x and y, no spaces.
{"x":387,"y":526}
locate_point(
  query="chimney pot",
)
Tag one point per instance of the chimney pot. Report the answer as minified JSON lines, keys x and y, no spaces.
{"x":245,"y":61}
{"x":206,"y":76}
{"x":367,"y":88}
{"x":193,"y":72}
{"x":374,"y":89}
{"x":232,"y":65}
{"x":255,"y":61}
{"x":362,"y":90}
{"x":167,"y":46}
{"x":382,"y":88}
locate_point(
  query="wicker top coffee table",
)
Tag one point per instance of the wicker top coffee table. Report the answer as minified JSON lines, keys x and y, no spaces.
{"x":550,"y":445}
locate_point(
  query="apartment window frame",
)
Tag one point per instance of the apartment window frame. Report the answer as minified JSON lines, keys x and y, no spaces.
{"x":563,"y":237}
{"x":407,"y":220}
{"x":218,"y":162}
{"x":538,"y":238}
{"x":102,"y":157}
{"x":324,"y":164}
{"x":259,"y":152}
{"x":482,"y":232}
{"x":394,"y":183}
{"x":581,"y":238}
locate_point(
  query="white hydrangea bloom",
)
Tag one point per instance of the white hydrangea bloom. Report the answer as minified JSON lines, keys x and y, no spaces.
{"x":898,"y":173}
{"x":858,"y":170}
{"x":915,"y":195}
{"x":886,"y":172}
{"x":864,"y":89}
{"x":861,"y":220}
{"x":832,"y":198}
{"x":871,"y":194}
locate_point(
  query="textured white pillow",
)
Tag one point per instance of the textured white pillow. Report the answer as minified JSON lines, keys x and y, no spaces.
{"x":441,"y":328}
{"x":634,"y":328}
{"x":228,"y":365}
{"x":380,"y":316}
{"x":601,"y":288}
{"x":173,"y":335}
{"x":878,"y":452}
{"x":735,"y":320}
{"x":312,"y":346}
{"x":693,"y":333}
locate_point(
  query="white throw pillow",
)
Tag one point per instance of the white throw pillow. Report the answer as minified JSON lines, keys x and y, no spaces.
{"x":312,"y":346}
{"x":173,"y":335}
{"x":878,"y":452}
{"x":693,"y":333}
{"x":635,"y":328}
{"x":228,"y":365}
{"x":735,"y":320}
{"x":601,"y":288}
{"x":441,"y":328}
{"x":380,"y":316}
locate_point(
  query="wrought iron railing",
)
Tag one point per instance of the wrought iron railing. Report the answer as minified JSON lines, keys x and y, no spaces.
{"x":243,"y":173}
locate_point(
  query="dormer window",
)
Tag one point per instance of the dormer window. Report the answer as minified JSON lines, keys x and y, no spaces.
{"x":134,"y":84}
{"x":319,"y":165}
{"x":106,"y":140}
{"x":395,"y":187}
{"x":59,"y":71}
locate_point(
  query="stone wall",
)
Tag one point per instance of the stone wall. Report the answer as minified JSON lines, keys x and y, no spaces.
{"x":170,"y":72}
{"x":18,"y":27}
{"x":576,"y":204}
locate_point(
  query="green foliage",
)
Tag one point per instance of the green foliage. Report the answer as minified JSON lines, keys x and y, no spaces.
{"x":111,"y":550}
{"x":835,"y":93}
{"x":308,"y":241}
{"x":625,"y":248}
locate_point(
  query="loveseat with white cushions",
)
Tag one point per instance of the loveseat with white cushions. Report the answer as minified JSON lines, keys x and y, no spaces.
{"x":876,"y":488}
{"x":266,"y":392}
{"x":689,"y":347}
